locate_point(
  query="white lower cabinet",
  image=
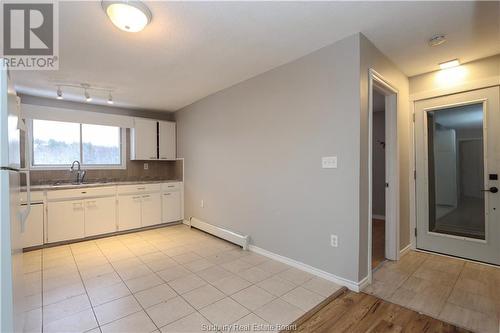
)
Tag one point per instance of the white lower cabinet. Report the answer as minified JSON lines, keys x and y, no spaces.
{"x":151,"y":209}
{"x":66,"y":220}
{"x":129,"y":212}
{"x":33,"y":235}
{"x":86,"y":212}
{"x":100,"y":216}
{"x":171,"y":206}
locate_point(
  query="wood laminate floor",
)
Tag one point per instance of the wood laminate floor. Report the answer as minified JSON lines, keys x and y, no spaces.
{"x":359,"y":312}
{"x":378,"y":242}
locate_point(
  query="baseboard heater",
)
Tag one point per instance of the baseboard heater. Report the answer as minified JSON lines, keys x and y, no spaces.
{"x":228,"y":235}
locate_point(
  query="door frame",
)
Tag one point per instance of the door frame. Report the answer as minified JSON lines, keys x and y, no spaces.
{"x":391,"y":167}
{"x":445,"y":104}
{"x":417,"y":97}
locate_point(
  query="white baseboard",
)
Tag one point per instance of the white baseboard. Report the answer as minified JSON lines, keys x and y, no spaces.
{"x":241,"y":240}
{"x":378,"y":217}
{"x":352,"y":285}
{"x":404,"y":250}
{"x":186,"y":222}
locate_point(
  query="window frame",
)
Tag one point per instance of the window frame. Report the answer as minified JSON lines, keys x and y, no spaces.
{"x":30,"y":152}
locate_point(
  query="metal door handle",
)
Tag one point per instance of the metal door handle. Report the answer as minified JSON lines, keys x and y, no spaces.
{"x":492,"y":189}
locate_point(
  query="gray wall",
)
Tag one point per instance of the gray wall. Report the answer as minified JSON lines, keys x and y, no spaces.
{"x":253,"y":154}
{"x":371,"y":57}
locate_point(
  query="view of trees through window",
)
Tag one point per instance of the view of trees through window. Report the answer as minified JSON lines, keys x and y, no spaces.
{"x":58,"y":143}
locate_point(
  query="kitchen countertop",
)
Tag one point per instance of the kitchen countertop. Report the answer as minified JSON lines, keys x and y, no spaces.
{"x":66,"y":186}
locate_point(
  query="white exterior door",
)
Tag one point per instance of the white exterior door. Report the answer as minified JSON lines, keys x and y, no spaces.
{"x":458,"y":165}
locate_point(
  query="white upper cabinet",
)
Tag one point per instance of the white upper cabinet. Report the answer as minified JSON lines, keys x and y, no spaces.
{"x":152,"y":140}
{"x":167,"y":140}
{"x":144,"y":139}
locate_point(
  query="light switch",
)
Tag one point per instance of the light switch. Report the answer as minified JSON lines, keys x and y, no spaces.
{"x":329,"y":162}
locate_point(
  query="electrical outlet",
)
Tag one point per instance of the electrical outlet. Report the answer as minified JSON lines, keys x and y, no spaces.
{"x":334,"y":240}
{"x":202,"y":204}
{"x":146,"y":166}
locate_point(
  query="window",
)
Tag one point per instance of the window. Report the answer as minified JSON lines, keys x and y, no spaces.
{"x":58,"y":144}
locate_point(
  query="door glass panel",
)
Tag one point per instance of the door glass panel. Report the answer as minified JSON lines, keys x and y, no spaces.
{"x":456,"y":171}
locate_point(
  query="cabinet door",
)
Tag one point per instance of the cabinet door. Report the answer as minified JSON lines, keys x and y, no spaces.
{"x":129,"y":212}
{"x":171,"y":206}
{"x":151,"y":209}
{"x":167,"y":140}
{"x":144,"y":140}
{"x":33,"y":235}
{"x":65,"y":220}
{"x":100,"y":216}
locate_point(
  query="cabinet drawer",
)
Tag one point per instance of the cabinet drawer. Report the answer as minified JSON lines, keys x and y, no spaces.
{"x":87,"y":192}
{"x":171,"y":186}
{"x":139,"y":188}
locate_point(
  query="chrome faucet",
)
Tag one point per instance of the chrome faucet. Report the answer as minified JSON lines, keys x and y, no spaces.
{"x":80,"y":174}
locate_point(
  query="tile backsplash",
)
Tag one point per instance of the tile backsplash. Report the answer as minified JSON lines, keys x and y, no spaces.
{"x":157,"y":170}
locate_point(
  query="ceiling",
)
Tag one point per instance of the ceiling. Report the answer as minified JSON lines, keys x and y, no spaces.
{"x":193,"y":49}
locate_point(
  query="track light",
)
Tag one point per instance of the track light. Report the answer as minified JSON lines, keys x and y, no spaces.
{"x":59,"y":93}
{"x":110,"y":98}
{"x":87,"y":96}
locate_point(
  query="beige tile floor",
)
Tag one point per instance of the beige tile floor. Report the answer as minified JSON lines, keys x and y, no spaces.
{"x":453,"y":290}
{"x":172,"y":279}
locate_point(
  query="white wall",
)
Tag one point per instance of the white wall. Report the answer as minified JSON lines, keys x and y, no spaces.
{"x":480,"y":73}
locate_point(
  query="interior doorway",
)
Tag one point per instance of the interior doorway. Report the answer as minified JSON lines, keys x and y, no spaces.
{"x":378,"y":178}
{"x":383,"y":169}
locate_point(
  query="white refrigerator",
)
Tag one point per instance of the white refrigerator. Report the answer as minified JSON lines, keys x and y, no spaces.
{"x":12,"y":215}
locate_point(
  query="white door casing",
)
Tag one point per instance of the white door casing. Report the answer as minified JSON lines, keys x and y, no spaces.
{"x":487,"y":249}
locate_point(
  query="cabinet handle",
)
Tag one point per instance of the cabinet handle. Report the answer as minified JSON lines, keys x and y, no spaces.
{"x":77,"y":205}
{"x":167,"y":193}
{"x":141,"y":188}
{"x":145,"y":196}
{"x":138,"y":197}
{"x":171,"y":186}
{"x":91,"y":202}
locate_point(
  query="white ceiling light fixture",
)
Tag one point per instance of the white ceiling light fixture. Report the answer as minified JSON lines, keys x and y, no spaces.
{"x":110,"y":99}
{"x":449,"y":64}
{"x":130,"y":16}
{"x":437,"y":40}
{"x":59,"y":93}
